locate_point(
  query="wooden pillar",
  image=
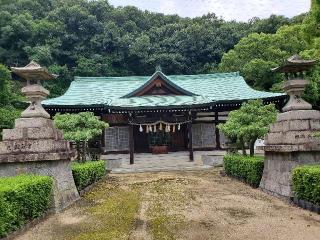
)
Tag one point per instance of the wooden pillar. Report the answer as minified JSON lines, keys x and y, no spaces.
{"x":103,"y":137}
{"x":131,"y":144}
{"x":218,"y":145}
{"x":191,"y":157}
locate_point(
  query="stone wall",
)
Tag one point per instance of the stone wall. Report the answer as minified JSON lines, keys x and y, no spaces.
{"x":276,"y":178}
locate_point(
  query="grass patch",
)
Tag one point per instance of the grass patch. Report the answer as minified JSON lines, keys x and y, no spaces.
{"x":112,"y":213}
{"x":168,"y":195}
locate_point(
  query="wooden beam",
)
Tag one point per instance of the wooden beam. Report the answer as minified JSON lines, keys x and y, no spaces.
{"x":191,"y":156}
{"x":218,"y":145}
{"x":131,"y":144}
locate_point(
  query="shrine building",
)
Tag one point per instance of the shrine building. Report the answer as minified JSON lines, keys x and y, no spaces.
{"x":160,"y":113}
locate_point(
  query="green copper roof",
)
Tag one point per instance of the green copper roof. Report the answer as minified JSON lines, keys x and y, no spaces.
{"x":117,"y":91}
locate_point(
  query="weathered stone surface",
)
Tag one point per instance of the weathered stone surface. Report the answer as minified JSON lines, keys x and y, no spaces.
{"x":298,"y":115}
{"x":212,"y":160}
{"x":14,"y":134}
{"x":31,"y":133}
{"x":65,"y":192}
{"x":32,"y":146}
{"x":315,"y":124}
{"x":298,"y":125}
{"x":279,"y":126}
{"x":33,"y":123}
{"x":34,"y":157}
{"x":276,"y":177}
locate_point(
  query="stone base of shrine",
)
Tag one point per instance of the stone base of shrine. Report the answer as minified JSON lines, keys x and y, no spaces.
{"x":276,"y":179}
{"x":64,"y":192}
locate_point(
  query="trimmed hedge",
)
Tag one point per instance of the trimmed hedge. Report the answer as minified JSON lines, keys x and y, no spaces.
{"x":246,"y":168}
{"x":23,"y":198}
{"x":85,"y":174}
{"x":306,"y":183}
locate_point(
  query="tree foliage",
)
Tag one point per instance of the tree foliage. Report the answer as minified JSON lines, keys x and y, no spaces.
{"x":257,"y":53}
{"x":93,"y":38}
{"x":81,"y":127}
{"x":8,"y":112}
{"x":249,"y":123}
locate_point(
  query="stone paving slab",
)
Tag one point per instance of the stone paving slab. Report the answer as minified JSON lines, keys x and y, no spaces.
{"x":147,"y":162}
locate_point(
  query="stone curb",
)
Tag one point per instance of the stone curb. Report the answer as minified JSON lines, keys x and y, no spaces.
{"x":306,"y":205}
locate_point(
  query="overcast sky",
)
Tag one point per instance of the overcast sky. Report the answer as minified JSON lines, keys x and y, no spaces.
{"x":240,"y":10}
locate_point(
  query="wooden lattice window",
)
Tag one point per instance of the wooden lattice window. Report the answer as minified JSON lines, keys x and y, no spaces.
{"x":203,"y":135}
{"x":117,"y":139}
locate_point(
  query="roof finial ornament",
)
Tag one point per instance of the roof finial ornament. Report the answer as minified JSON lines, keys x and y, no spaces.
{"x":158,"y":68}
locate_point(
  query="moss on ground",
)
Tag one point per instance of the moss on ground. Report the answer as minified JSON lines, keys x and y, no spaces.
{"x":112,"y":214}
{"x":167,"y":195}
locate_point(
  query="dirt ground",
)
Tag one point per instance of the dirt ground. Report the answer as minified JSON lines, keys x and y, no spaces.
{"x":177,"y":205}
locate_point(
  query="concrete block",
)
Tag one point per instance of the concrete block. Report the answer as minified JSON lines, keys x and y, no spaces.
{"x":212,"y":160}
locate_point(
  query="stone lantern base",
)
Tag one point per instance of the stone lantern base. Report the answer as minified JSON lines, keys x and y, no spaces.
{"x":289,"y":143}
{"x":35,"y":146}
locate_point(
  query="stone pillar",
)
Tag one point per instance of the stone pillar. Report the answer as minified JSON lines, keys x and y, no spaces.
{"x":290,"y":141}
{"x":35,"y":146}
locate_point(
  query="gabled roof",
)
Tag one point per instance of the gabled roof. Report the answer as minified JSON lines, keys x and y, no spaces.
{"x":159,"y":75}
{"x":116,"y":92}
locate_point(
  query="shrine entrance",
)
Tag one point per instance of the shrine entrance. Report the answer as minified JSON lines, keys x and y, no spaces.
{"x":171,"y":141}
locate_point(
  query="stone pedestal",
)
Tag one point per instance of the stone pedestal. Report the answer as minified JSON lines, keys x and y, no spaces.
{"x":35,"y":146}
{"x":289,"y":143}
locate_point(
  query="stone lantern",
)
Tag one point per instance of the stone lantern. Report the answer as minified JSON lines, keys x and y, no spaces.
{"x":291,"y":141}
{"x":35,"y":146}
{"x":33,"y":73}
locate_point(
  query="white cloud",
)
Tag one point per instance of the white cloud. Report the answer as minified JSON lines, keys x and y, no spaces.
{"x":241,"y":10}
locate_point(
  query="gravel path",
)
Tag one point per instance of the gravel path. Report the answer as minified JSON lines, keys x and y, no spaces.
{"x":178,"y":205}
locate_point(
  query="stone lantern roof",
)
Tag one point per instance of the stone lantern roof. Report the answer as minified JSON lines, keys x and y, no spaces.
{"x":295,"y":64}
{"x":33,"y":71}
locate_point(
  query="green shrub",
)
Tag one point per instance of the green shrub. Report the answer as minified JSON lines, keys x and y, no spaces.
{"x":248,"y":169}
{"x":23,"y":198}
{"x":306,"y":183}
{"x":87,"y":173}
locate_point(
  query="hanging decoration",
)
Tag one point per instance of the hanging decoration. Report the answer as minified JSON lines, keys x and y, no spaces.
{"x":166,"y":126}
